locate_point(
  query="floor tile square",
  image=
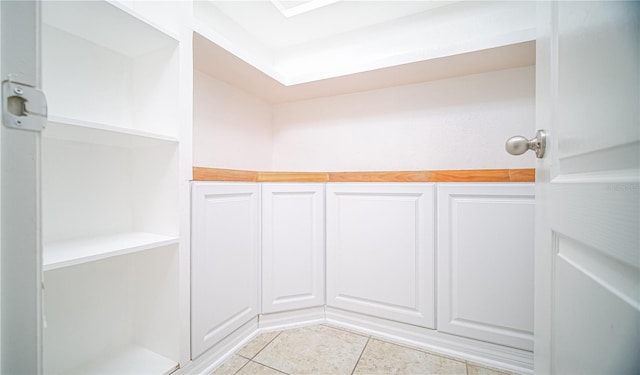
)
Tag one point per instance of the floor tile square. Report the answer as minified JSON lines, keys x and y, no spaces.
{"x":257,"y":344}
{"x":313,"y":350}
{"x":384,"y":358}
{"x":478,"y":370}
{"x":253,"y":368}
{"x":231,"y":366}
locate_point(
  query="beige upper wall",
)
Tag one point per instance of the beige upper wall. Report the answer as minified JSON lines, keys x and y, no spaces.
{"x":458,"y":123}
{"x":231,"y":128}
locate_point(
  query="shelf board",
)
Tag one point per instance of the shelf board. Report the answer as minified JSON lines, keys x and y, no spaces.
{"x":95,"y":20}
{"x":103,"y":134}
{"x":130,"y":360}
{"x":83,"y":250}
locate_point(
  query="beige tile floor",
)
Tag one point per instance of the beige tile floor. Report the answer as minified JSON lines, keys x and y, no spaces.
{"x":328,"y":350}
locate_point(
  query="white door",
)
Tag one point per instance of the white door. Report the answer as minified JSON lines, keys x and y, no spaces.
{"x":21,"y":236}
{"x":587,"y":305}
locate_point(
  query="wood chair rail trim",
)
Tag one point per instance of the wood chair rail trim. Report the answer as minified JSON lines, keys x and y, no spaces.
{"x":472,"y":175}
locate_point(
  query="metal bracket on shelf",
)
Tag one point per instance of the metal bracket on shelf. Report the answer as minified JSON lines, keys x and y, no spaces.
{"x":23,"y":107}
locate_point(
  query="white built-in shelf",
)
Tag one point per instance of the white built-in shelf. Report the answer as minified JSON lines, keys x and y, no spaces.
{"x":88,"y":249}
{"x":107,"y":24}
{"x":69,"y":129}
{"x":103,"y":65}
{"x":130,"y":360}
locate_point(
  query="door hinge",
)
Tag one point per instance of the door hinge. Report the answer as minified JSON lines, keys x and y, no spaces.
{"x":23,"y":107}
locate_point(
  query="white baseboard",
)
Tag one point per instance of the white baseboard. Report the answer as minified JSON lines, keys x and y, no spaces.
{"x":482,"y":353}
{"x":219,"y":353}
{"x":479,"y":352}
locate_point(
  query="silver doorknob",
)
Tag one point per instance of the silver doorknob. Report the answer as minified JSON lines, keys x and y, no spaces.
{"x":518,"y":145}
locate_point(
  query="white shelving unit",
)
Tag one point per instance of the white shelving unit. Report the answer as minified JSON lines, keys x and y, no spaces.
{"x":111,"y":238}
{"x":103,"y":65}
{"x":116,"y":314}
{"x":72,"y":129}
{"x":78,"y":251}
{"x":132,"y":360}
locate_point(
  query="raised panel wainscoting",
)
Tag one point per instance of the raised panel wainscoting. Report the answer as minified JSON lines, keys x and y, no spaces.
{"x":292,"y":246}
{"x":224,"y":275}
{"x":441,"y":266}
{"x":380,"y":250}
{"x":485,"y":262}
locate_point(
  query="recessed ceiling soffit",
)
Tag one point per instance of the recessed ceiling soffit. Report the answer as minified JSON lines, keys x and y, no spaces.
{"x":297,"y":42}
{"x":293,"y":8}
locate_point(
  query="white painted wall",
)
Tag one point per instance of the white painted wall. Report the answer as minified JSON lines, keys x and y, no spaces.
{"x":458,"y":123}
{"x":231,"y":128}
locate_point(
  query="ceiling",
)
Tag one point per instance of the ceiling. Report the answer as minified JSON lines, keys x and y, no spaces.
{"x":268,"y":23}
{"x":291,"y":50}
{"x":294,"y":8}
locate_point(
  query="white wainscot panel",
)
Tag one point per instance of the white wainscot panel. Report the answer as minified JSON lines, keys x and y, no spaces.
{"x":293,"y":246}
{"x":485,"y":262}
{"x":224,"y":260}
{"x":380,"y":250}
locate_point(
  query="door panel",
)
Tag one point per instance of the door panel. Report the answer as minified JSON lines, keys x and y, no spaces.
{"x":605,"y":315}
{"x":596,"y":64}
{"x":485,"y":262}
{"x":292,"y":247}
{"x":380,"y":250}
{"x":587,"y":315}
{"x":224,"y":261}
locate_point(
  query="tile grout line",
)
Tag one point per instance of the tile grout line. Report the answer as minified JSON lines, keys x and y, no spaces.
{"x":258,"y":363}
{"x":249,"y":360}
{"x":243,"y":366}
{"x":361,"y":353}
{"x":259,"y":351}
{"x":274,"y":369}
{"x":338,"y":328}
{"x":265,"y":346}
